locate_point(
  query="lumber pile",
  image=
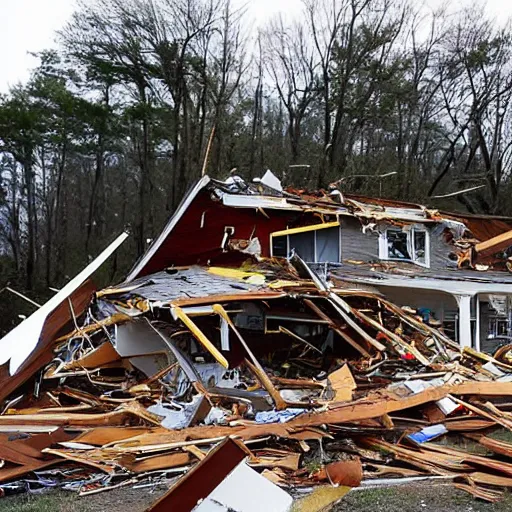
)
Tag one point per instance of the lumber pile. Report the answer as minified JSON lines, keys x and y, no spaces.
{"x":320,"y":384}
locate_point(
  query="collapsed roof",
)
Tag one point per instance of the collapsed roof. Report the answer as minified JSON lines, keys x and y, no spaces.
{"x":215,"y":211}
{"x":158,"y":370}
{"x":137,"y":383}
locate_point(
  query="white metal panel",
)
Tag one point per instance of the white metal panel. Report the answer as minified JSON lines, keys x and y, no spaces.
{"x":241,"y":201}
{"x":245,"y":490}
{"x":19,"y":343}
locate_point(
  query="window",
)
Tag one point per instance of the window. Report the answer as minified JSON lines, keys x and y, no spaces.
{"x":397,"y":245}
{"x":419,"y":246}
{"x":317,"y":244}
{"x":412,"y":245}
{"x":304,"y":245}
{"x":328,"y":245}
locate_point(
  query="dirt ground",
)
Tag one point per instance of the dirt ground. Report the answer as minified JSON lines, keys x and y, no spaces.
{"x":124,"y":499}
{"x":418,"y":498}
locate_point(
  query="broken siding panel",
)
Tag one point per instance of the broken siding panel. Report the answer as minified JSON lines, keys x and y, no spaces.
{"x":356,"y":245}
{"x":440,"y":250}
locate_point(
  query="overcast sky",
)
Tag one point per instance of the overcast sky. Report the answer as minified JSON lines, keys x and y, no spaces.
{"x":30,"y":25}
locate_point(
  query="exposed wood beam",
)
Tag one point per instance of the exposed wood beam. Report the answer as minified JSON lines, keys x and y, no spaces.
{"x":494,"y":245}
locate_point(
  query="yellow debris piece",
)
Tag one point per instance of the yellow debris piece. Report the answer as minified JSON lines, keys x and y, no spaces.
{"x":320,"y":499}
{"x":199,"y":335}
{"x":235,"y":273}
{"x":281,"y":283}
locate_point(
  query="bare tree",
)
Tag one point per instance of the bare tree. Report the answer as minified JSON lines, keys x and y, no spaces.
{"x":291,"y":63}
{"x":476,"y":84}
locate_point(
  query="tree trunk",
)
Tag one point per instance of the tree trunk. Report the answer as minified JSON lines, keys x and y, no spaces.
{"x":31,"y":217}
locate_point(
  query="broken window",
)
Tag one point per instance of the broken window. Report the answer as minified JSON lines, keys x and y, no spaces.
{"x":318,"y":244}
{"x":328,"y":245}
{"x":411,"y":245}
{"x":397,"y":245}
{"x":303,"y":244}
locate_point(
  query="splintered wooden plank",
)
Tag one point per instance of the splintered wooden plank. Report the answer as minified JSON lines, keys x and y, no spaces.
{"x":338,"y":413}
{"x":101,"y":436}
{"x":107,"y":465}
{"x":392,"y":336}
{"x":103,"y":355}
{"x":290,"y":461}
{"x":495,"y":445}
{"x":504,"y":422}
{"x":157,"y":462}
{"x":199,"y":335}
{"x":117,"y":417}
{"x":488,"y":479}
{"x":502,"y":467}
{"x":253,"y":364}
{"x":439,"y":462}
{"x":480,"y":492}
{"x":373,"y":408}
{"x":336,"y":329}
{"x":494,"y":245}
{"x":468,"y":424}
{"x":13,"y":472}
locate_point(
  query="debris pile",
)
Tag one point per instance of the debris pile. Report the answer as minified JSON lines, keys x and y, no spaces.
{"x":321,"y":385}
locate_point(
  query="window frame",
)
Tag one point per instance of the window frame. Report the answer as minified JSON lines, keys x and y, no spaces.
{"x":384,"y":250}
{"x":306,"y":229}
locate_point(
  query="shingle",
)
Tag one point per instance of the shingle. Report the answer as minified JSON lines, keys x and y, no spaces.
{"x":190,"y":282}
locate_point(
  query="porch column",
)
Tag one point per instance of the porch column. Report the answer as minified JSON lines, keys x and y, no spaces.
{"x":464,"y":302}
{"x":477,"y":324}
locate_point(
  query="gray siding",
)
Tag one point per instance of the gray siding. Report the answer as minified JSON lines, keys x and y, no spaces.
{"x":356,"y":245}
{"x":440,"y":250}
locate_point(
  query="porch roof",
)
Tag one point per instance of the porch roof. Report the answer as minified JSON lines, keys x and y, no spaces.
{"x":454,"y":281}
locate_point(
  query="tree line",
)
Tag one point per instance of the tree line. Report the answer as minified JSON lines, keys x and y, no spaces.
{"x":380,"y":97}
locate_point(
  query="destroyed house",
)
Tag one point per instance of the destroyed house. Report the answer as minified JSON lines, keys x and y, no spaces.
{"x":451,"y":269}
{"x":220,"y":373}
